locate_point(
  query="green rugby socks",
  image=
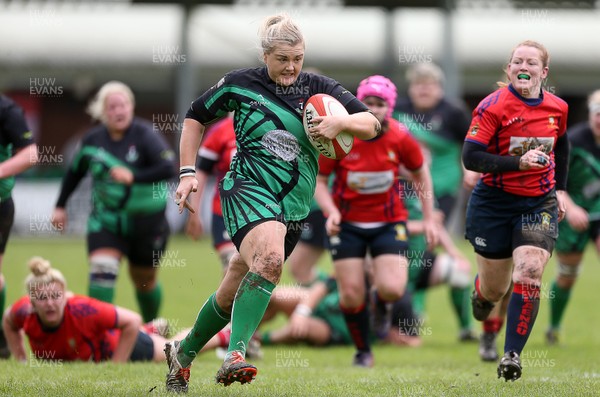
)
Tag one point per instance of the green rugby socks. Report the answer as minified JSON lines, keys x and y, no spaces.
{"x":149,"y":302}
{"x":211,"y":319}
{"x":249,"y":306}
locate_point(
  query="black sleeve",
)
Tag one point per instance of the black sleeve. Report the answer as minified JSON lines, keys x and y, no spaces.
{"x":218,"y":97}
{"x":327,"y":85}
{"x":158,"y":172}
{"x":69,"y":184}
{"x":13,"y":124}
{"x":459,"y":122}
{"x":77,"y":170}
{"x":476,"y":158}
{"x":205,"y":164}
{"x":561,"y":159}
{"x":162,"y":164}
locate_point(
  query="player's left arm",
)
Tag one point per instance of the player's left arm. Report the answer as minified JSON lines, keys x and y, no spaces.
{"x":360,"y":122}
{"x":325,"y":201}
{"x":363,"y":125}
{"x":15,"y":129}
{"x":299,"y":324}
{"x":129,"y":323}
{"x":475,"y":156}
{"x":424,"y":189}
{"x":22,"y":160}
{"x":14,"y":337}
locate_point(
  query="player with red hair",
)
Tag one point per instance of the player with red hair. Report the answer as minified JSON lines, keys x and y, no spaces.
{"x":517,"y":140}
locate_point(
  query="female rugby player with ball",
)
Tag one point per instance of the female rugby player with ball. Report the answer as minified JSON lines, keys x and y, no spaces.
{"x":268,"y":191}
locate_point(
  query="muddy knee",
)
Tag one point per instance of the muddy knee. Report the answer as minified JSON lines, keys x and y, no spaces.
{"x":268,"y":266}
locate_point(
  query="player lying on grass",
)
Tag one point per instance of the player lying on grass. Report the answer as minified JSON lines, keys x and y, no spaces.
{"x":315,"y":317}
{"x":67,"y":327}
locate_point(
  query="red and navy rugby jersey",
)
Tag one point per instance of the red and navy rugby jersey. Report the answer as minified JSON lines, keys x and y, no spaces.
{"x":509,"y":125}
{"x":366,"y":186}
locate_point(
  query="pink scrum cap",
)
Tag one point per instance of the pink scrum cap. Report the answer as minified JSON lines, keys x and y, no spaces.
{"x":380,"y":87}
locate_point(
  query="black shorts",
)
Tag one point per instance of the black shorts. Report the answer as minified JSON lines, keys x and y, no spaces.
{"x":294,"y":229}
{"x":355,"y":242}
{"x":7,"y":216}
{"x":143,"y":246}
{"x":219,"y":233}
{"x":313,"y":230}
{"x":498,"y":222}
{"x":143,"y":349}
{"x":446,"y":204}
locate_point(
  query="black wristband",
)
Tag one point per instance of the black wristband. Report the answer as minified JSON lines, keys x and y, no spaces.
{"x":187,"y":171}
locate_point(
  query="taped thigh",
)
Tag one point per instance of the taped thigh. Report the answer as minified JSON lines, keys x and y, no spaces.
{"x":104,"y":270}
{"x":568,"y":270}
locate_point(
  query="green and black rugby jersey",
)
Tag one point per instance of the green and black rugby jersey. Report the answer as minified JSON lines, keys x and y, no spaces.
{"x":442,"y":131}
{"x":14,"y":135}
{"x":142,"y":150}
{"x":272,"y":147}
{"x":583,"y":183}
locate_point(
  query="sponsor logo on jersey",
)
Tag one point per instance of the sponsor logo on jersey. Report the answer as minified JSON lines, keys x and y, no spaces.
{"x":370,"y":182}
{"x":520,"y":145}
{"x":132,"y":154}
{"x":282,"y":144}
{"x":260,"y":102}
{"x":515,"y":120}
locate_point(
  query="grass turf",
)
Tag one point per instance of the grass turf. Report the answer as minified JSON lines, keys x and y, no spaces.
{"x":441,"y":367}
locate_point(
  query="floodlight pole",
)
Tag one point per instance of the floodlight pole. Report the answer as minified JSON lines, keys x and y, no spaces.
{"x":390,"y":64}
{"x":453,"y":86}
{"x":184,"y":73}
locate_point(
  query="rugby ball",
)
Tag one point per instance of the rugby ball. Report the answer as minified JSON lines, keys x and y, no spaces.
{"x":326,"y":105}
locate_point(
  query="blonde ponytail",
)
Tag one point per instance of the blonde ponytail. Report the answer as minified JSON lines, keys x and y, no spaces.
{"x":279,"y":29}
{"x":42,"y":273}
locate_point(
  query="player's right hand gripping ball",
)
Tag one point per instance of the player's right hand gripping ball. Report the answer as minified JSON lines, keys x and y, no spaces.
{"x":326,"y":105}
